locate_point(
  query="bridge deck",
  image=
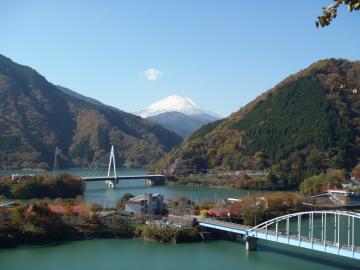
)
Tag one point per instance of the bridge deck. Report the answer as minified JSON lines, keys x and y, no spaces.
{"x":123,"y":177}
{"x":224,"y":226}
{"x":291,"y":239}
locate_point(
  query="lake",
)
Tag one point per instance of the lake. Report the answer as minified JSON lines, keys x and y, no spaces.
{"x":138,"y":254}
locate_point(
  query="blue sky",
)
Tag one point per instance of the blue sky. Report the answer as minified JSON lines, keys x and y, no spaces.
{"x":220,"y":53}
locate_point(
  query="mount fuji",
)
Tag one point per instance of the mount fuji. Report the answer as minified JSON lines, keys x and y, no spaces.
{"x":179,"y":114}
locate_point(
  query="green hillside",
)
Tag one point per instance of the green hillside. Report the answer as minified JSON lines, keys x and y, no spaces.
{"x":306,"y":124}
{"x":35,"y":117}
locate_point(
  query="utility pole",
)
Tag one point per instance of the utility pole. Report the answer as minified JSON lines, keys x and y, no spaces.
{"x":56,"y":161}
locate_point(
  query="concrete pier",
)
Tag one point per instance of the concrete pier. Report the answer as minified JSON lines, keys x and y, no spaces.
{"x":251,"y":243}
{"x":110,"y":184}
{"x":149,"y":182}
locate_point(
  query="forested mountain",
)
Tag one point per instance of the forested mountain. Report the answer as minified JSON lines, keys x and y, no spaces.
{"x":307,"y":123}
{"x":35,"y":117}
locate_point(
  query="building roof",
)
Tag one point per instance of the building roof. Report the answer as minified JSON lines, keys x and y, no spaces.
{"x":219,"y":212}
{"x":103,"y":214}
{"x":142,"y":197}
{"x":136,"y":199}
{"x":60,"y":209}
{"x":7,"y":204}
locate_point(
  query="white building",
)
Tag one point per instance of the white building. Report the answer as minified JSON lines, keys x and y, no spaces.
{"x":113,"y":217}
{"x":146,"y":204}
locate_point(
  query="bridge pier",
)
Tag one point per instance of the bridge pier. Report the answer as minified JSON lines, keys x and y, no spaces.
{"x":155,"y":181}
{"x":251,"y":243}
{"x":110,"y":184}
{"x":149,"y":182}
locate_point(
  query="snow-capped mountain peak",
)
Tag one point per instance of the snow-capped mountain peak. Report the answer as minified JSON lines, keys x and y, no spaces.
{"x":175,"y":104}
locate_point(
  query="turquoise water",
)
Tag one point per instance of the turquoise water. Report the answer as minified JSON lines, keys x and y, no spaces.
{"x":138,"y":254}
{"x":99,"y":193}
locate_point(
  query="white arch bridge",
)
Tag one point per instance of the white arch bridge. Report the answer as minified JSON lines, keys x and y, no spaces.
{"x":333,"y":232}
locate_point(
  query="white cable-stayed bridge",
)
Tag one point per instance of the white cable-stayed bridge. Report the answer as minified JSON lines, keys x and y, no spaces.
{"x":104,"y":169}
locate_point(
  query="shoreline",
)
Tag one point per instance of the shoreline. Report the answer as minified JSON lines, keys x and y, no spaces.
{"x":93,"y":232}
{"x":223,"y":181}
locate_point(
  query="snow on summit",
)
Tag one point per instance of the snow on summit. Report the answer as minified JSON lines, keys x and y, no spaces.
{"x":175,"y":104}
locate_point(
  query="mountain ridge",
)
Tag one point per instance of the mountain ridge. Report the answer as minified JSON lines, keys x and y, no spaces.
{"x":304,"y":125}
{"x":74,"y":94}
{"x":35,"y":117}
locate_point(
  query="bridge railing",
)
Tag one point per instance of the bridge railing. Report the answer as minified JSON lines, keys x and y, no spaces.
{"x":331,"y":228}
{"x":337,"y":231}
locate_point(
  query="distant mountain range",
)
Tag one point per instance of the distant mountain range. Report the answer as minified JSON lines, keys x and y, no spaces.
{"x":35,"y":117}
{"x":308,"y":123}
{"x":178,"y":114}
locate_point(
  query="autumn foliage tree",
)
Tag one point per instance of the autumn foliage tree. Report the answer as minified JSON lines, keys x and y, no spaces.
{"x":256,"y":209}
{"x":122,"y":201}
{"x":40,"y":215}
{"x":42,"y":186}
{"x":330,"y":12}
{"x":324,"y":181}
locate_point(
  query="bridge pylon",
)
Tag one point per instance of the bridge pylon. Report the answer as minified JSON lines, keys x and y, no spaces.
{"x":112,"y":165}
